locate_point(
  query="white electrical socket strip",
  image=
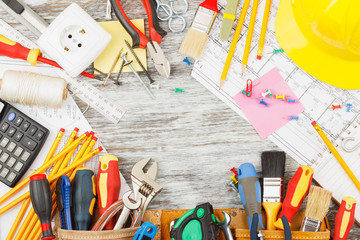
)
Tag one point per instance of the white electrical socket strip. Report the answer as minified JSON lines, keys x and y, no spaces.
{"x":74,"y":40}
{"x":82,"y":89}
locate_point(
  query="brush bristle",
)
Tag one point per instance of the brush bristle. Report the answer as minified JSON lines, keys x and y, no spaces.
{"x":318,"y":203}
{"x":273,"y":164}
{"x":193,"y":44}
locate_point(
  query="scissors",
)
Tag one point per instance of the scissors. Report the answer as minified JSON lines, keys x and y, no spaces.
{"x":170,"y":14}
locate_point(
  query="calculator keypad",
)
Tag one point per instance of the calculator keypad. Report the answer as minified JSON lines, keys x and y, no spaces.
{"x":21,"y":139}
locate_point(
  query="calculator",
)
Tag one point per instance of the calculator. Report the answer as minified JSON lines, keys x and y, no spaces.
{"x":21,"y":139}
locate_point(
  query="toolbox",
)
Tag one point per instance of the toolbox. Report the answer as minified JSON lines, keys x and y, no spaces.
{"x":163,"y":218}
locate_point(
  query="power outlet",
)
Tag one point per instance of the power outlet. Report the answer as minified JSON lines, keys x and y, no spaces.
{"x":74,"y":40}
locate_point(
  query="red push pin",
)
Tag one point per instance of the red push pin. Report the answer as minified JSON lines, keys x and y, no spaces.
{"x":335,"y":107}
{"x":234,"y":171}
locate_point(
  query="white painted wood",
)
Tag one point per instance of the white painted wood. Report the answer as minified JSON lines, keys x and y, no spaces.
{"x":194,"y":137}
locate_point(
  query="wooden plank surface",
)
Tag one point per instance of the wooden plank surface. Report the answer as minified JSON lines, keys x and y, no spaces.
{"x":193,"y":136}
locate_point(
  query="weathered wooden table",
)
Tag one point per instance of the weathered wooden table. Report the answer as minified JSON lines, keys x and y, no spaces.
{"x":193,"y":136}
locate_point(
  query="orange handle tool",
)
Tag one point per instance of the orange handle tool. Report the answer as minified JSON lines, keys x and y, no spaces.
{"x":344,"y":219}
{"x":297,"y":190}
{"x":16,"y":50}
{"x":108,"y":185}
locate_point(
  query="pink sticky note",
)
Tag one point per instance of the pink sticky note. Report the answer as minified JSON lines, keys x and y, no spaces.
{"x":268,"y":119}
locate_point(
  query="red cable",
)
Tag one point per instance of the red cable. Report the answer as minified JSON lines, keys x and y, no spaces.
{"x":55,"y":64}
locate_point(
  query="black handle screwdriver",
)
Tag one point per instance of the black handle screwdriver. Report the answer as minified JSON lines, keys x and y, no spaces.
{"x":40,"y":195}
{"x":83,"y":196}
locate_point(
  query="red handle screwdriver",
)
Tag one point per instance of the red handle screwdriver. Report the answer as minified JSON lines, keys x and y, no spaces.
{"x":40,"y":196}
{"x":15,"y":50}
{"x":108,"y":185}
{"x":297,"y":190}
{"x":344,"y":219}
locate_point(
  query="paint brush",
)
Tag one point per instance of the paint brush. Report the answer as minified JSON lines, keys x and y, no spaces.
{"x":273,"y":169}
{"x":195,"y":40}
{"x":316,"y":209}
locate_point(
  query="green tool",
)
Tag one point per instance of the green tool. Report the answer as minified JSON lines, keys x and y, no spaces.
{"x":200,"y":223}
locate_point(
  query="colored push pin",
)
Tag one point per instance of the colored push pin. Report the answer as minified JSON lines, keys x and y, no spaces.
{"x":187,"y":61}
{"x":348,"y":107}
{"x":269,"y":93}
{"x":234,"y":171}
{"x":264,"y":94}
{"x":244,"y":92}
{"x":335,"y":106}
{"x":294,"y":118}
{"x":233,"y":177}
{"x":178,"y":90}
{"x":277,"y":51}
{"x":262,"y":102}
{"x":291,"y":100}
{"x":280,"y":97}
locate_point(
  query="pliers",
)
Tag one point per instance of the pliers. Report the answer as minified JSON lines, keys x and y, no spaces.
{"x":156,"y":33}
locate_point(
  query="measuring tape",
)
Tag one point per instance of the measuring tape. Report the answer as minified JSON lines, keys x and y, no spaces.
{"x":84,"y":90}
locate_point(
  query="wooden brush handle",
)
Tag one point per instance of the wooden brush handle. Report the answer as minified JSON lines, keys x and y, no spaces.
{"x":272,"y":210}
{"x":210,"y":4}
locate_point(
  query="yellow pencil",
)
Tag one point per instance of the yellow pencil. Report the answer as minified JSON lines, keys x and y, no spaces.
{"x":91,"y":145}
{"x":18,"y":219}
{"x":34,"y":225}
{"x":336,"y":155}
{"x":249,"y":35}
{"x":81,"y":153}
{"x":58,"y":164}
{"x":44,"y":167}
{"x":234,"y":42}
{"x":27,"y":201}
{"x":263,"y":29}
{"x":55,"y":177}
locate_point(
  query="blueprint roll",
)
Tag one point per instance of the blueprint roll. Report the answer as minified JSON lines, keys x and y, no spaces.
{"x":29,"y":88}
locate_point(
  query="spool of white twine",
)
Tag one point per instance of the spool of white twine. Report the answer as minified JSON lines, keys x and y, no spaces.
{"x":33,"y":89}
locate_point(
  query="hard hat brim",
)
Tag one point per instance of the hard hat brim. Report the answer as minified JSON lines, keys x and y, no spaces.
{"x":315,"y":60}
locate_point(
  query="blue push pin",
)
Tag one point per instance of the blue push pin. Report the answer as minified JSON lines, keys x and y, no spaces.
{"x":262,"y":102}
{"x":348,"y":107}
{"x":294,"y":118}
{"x":187,"y":61}
{"x":291,"y":101}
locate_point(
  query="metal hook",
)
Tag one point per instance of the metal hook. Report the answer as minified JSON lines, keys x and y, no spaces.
{"x":186,"y":5}
{"x":166,"y":8}
{"x":346,"y":146}
{"x":183,"y":26}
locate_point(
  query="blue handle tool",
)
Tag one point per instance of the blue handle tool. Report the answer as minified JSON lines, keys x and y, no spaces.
{"x":63,"y":193}
{"x":250,"y":192}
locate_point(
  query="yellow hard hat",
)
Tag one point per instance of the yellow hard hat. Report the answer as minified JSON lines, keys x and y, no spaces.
{"x":323,"y":38}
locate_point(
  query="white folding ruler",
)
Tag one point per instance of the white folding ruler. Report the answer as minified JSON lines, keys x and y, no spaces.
{"x":84,"y":90}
